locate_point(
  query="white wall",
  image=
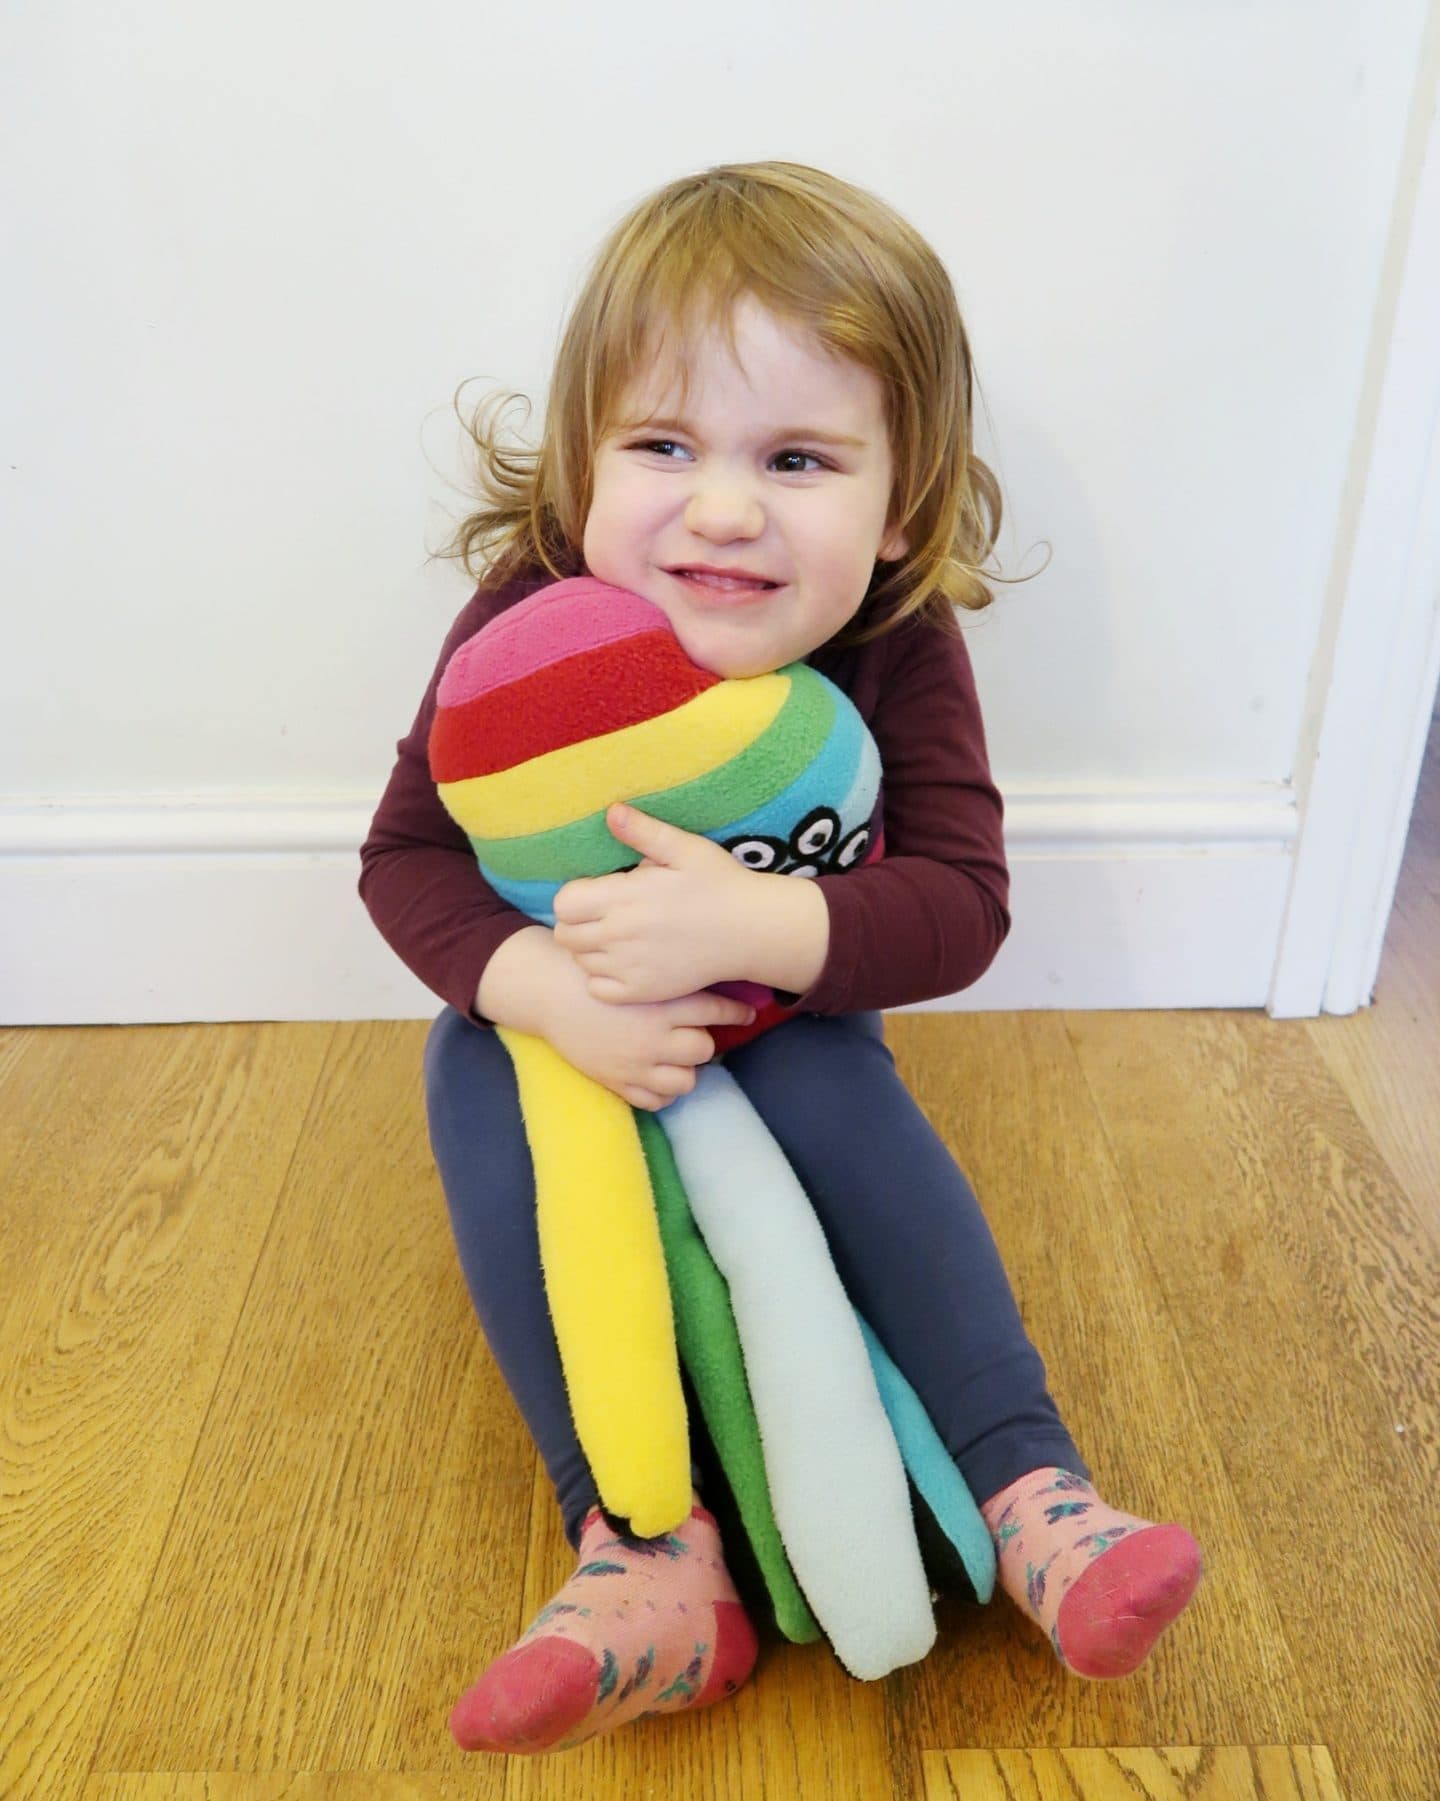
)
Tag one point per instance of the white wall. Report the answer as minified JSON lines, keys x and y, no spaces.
{"x":254,"y":250}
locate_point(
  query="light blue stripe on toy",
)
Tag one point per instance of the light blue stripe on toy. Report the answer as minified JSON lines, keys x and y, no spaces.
{"x":931,"y":1469}
{"x":535,"y":898}
{"x":836,"y":1480}
{"x":860,"y":801}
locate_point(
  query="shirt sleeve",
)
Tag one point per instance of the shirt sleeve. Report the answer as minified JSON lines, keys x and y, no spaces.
{"x":929,"y":917}
{"x":418,"y":876}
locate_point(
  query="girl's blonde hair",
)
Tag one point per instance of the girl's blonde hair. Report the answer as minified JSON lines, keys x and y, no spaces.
{"x":817,"y":253}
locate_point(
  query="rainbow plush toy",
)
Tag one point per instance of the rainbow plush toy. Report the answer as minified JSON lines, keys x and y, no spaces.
{"x":689,"y":1224}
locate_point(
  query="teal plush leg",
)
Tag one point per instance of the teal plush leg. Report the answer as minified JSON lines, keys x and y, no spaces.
{"x":836,"y":1479}
{"x":710,"y":1346}
{"x":932,"y":1469}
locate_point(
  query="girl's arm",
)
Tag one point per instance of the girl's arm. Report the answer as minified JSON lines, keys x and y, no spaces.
{"x":924,"y":921}
{"x":418,"y":876}
{"x":929,"y":918}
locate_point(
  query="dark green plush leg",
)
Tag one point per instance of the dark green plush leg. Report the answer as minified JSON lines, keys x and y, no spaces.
{"x":708,"y":1342}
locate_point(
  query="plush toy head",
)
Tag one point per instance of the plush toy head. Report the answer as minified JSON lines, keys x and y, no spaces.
{"x":581,"y":696}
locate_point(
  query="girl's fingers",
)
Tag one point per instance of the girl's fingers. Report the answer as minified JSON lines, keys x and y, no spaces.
{"x":692,"y":1044}
{"x":671,"y":1079}
{"x":577,"y":939}
{"x":713,"y":1010}
{"x":606,"y":988}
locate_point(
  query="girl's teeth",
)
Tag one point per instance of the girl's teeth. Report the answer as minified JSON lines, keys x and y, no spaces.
{"x":726,"y":582}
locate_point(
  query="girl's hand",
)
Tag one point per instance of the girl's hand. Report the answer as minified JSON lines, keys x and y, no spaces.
{"x":647,"y":1053}
{"x":678,"y":922}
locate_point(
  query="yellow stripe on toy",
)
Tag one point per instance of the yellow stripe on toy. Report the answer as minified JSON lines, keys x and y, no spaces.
{"x":607,"y":1286}
{"x":585,"y":778}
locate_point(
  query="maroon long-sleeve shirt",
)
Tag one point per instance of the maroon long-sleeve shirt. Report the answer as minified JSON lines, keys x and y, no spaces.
{"x":926,"y":920}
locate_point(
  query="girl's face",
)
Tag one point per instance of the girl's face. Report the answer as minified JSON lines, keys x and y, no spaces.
{"x":780,"y":472}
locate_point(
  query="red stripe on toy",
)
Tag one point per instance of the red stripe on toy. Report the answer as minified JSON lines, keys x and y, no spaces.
{"x":585,"y":696}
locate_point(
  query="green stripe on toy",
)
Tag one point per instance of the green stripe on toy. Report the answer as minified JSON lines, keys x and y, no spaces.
{"x":710,"y":1346}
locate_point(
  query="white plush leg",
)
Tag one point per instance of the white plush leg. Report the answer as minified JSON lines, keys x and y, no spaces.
{"x":836,"y":1479}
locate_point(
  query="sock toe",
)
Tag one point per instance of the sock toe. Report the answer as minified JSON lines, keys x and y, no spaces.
{"x":1113,"y":1613}
{"x":736,"y":1648}
{"x":528,"y":1699}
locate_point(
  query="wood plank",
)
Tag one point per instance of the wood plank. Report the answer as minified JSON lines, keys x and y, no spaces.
{"x":1006,"y":1094}
{"x":1385,"y":1056}
{"x":456,"y":1605}
{"x":1305,"y":1290}
{"x":307,"y":1785}
{"x":1233,"y":1285}
{"x":355,"y":1494}
{"x":15,"y":1041}
{"x":819,"y":1731}
{"x":1211,"y":1773}
{"x":140,"y":1170}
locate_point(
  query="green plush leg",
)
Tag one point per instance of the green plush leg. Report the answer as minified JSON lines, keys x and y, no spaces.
{"x":710,"y":1346}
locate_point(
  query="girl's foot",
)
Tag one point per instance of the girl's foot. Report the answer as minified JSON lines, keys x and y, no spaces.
{"x":646,"y":1625}
{"x":1103,"y":1585}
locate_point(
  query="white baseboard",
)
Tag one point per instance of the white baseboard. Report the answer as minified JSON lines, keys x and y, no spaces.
{"x":245,"y":907}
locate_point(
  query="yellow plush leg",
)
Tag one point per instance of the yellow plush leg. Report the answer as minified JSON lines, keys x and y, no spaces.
{"x":606,"y":1283}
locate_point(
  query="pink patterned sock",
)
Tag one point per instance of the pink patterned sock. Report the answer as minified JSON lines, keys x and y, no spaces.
{"x":1102,"y":1584}
{"x":646,"y":1625}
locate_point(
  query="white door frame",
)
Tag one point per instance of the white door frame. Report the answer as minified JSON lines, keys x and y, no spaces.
{"x":1357,"y":783}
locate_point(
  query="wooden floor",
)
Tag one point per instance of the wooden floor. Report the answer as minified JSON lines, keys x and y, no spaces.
{"x":265,"y":1506}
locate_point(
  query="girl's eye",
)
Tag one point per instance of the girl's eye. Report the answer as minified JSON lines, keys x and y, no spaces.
{"x":807,"y":455}
{"x":661,"y":446}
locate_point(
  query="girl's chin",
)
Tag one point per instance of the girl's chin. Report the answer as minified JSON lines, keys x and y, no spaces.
{"x":729,"y":664}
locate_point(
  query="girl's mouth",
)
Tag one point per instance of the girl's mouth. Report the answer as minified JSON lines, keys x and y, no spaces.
{"x":722,"y":587}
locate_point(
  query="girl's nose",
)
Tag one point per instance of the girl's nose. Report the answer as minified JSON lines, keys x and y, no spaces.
{"x":724,"y":510}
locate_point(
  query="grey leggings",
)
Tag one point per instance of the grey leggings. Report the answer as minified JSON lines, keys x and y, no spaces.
{"x":903,"y":1225}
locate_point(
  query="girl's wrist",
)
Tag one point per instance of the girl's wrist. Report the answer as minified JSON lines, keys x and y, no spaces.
{"x":522,"y":984}
{"x":787,"y":936}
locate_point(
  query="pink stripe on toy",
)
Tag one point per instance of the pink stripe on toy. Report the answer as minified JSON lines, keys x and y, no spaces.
{"x":516,"y":642}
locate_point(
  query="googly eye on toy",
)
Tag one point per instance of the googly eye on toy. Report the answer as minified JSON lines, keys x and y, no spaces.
{"x":816,"y":832}
{"x":853,"y":850}
{"x":764,"y":854}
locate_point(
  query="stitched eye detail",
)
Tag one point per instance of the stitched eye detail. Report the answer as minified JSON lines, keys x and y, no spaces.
{"x":810,"y":869}
{"x":853,"y":849}
{"x":814,"y":835}
{"x":758,"y":853}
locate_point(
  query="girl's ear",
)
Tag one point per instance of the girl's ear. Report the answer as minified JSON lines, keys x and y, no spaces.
{"x":894,"y":547}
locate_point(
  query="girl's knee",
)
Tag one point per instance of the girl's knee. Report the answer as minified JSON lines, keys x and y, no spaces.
{"x":459,"y":1055}
{"x":477,"y":1131}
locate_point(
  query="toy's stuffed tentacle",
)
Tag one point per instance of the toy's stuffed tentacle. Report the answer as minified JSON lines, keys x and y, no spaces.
{"x":932,"y":1470}
{"x":836,"y":1480}
{"x":710,"y":1346}
{"x":605,"y":1279}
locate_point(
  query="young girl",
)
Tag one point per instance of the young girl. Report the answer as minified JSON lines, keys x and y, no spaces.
{"x":760,"y":420}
